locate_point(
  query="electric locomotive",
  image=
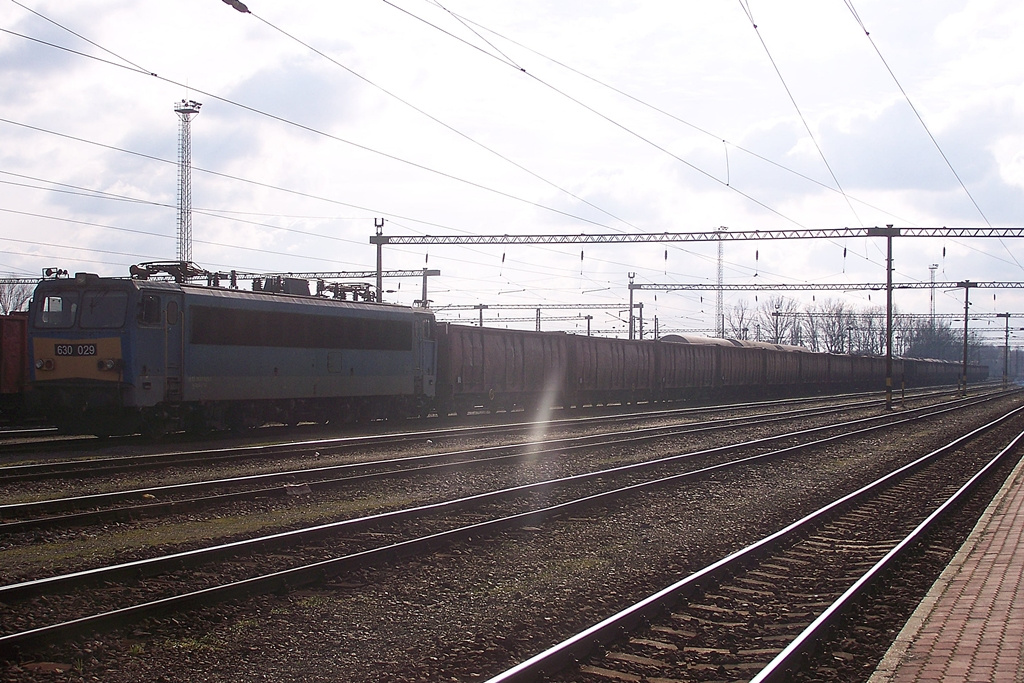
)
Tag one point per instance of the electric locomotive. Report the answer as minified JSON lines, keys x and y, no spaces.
{"x":120,"y":355}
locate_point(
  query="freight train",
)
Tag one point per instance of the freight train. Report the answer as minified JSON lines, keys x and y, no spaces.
{"x":127,"y":355}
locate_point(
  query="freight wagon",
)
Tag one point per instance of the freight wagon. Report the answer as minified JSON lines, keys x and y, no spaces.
{"x":14,"y":369}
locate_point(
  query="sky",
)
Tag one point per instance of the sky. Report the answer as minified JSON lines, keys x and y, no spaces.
{"x":320,"y":119}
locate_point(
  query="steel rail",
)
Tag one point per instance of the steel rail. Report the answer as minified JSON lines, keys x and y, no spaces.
{"x":582,"y":644}
{"x":319,"y":571}
{"x":808,"y":641}
{"x":123,"y":463}
{"x":47,"y":511}
{"x":20,"y":591}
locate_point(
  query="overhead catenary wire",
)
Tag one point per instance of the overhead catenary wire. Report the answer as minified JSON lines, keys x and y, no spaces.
{"x":724,"y":182}
{"x":589,"y":260}
{"x":372,"y":211}
{"x":621,"y":126}
{"x":316,"y":131}
{"x":931,"y":136}
{"x":745,"y":5}
{"x":689,"y":124}
{"x":215,"y":213}
{"x":138,"y":232}
{"x":153,"y":74}
{"x":438,"y":121}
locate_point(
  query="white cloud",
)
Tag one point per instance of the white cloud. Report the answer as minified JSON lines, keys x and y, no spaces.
{"x":342,"y":151}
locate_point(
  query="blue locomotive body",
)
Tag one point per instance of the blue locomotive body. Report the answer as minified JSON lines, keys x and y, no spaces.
{"x":113,"y":355}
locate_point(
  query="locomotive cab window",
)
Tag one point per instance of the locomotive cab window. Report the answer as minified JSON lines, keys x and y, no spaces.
{"x":104,"y":309}
{"x":149,"y":310}
{"x":57,"y":310}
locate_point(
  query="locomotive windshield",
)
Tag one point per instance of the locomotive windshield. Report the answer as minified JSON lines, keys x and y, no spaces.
{"x":103,"y":309}
{"x":93,"y":309}
{"x":57,"y":310}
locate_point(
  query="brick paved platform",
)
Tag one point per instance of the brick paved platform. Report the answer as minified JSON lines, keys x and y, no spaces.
{"x":970,"y":626}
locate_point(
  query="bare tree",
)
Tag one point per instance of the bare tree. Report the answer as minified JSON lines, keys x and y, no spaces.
{"x":940,"y":340}
{"x":778,"y":318}
{"x":834,"y":320}
{"x":812,"y":326}
{"x":868,"y":334}
{"x":14,"y":297}
{"x":739,"y":319}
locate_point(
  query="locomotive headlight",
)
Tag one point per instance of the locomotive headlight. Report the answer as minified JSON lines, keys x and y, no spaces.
{"x":107,"y":364}
{"x":44,"y":364}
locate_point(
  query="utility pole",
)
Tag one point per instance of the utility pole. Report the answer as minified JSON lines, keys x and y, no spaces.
{"x":933,"y":267}
{"x":185,"y":110}
{"x":1006,"y":348}
{"x":966,"y":284}
{"x":631,"y":276}
{"x":888,"y":232}
{"x":378,"y":223}
{"x":425,"y":300}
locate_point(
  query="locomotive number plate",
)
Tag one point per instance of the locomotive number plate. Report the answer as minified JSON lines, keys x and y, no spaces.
{"x":74,"y":349}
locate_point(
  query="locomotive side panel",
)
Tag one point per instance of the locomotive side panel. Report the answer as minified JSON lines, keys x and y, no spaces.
{"x":240,"y":347}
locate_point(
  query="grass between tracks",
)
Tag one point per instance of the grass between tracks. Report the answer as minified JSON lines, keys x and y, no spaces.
{"x":65,"y":551}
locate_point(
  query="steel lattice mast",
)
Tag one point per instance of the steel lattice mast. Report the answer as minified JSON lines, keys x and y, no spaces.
{"x":185,"y":110}
{"x":819,"y":287}
{"x":719,"y":294}
{"x":728,"y":235}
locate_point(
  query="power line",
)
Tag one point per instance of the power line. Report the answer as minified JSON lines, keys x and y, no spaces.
{"x":745,"y":4}
{"x":438,"y":121}
{"x":145,"y":233}
{"x":605,"y":117}
{"x":670,"y":115}
{"x":942,"y":153}
{"x":856,"y":16}
{"x":315,"y":131}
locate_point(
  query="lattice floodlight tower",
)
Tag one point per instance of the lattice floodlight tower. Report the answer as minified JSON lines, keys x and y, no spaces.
{"x":719,"y":292}
{"x":185,"y":110}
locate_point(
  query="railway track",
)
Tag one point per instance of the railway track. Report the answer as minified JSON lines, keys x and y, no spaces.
{"x":762,"y":612}
{"x":274,"y":562}
{"x":145,"y":502}
{"x":104,"y":466}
